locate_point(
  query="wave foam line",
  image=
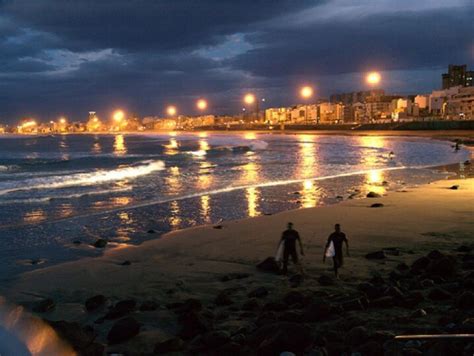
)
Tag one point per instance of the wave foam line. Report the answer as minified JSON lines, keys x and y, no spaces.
{"x":87,"y":179}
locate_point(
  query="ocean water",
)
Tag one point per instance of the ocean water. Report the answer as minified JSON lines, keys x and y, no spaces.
{"x":58,"y":189}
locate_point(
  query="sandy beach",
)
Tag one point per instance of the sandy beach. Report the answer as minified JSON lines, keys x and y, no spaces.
{"x":207,"y":262}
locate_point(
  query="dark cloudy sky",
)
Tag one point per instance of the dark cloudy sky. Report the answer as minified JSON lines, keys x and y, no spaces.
{"x":71,"y":56}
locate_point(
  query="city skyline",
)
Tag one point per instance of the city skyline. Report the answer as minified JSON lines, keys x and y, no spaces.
{"x":76,"y":58}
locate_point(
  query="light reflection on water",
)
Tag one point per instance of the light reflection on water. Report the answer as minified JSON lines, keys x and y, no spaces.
{"x":34,"y":216}
{"x":120,"y":148}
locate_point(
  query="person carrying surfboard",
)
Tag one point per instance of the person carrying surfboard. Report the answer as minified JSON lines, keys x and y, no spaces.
{"x":334,"y":248}
{"x":288,"y":242}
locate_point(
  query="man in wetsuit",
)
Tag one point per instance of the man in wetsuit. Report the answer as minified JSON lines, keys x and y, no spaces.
{"x":337,"y":238}
{"x":289,"y":238}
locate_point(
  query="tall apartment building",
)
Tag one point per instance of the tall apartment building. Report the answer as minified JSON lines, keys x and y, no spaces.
{"x":461,"y":105}
{"x":355,"y":97}
{"x":457,"y":75}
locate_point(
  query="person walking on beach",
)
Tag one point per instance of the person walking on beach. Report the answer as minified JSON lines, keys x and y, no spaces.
{"x":288,"y":239}
{"x":337,"y":238}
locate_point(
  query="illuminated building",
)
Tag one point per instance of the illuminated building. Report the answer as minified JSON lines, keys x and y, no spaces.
{"x":457,"y":75}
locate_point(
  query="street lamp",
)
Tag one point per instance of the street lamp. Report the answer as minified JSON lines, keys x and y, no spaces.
{"x":171,"y":110}
{"x":118,"y":116}
{"x":201,"y":104}
{"x":373,"y":78}
{"x":306,"y":92}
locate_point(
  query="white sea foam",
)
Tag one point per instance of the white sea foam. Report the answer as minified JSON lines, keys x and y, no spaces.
{"x":83,"y":179}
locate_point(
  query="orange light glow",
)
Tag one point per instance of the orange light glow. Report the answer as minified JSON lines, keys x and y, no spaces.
{"x":171,"y":110}
{"x":201,"y":104}
{"x":249,"y":99}
{"x":306,"y":92}
{"x":118,"y":115}
{"x":373,"y":78}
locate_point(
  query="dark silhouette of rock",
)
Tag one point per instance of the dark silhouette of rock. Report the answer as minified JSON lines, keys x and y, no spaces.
{"x":95,"y":302}
{"x":218,"y":227}
{"x":151,"y":231}
{"x":454,"y":187}
{"x":100,"y":243}
{"x":464,"y":249}
{"x":79,"y":338}
{"x":438,"y":294}
{"x":465,"y":301}
{"x":269,"y":265}
{"x":435,"y":255}
{"x":377,"y":255}
{"x":123,"y":330}
{"x":275,"y":338}
{"x":126,"y":263}
{"x":232,"y":276}
{"x":193,"y":324}
{"x":373,"y":195}
{"x":120,"y":309}
{"x":44,"y":305}
{"x":356,"y":336}
{"x":223,"y":298}
{"x":189,"y":305}
{"x":171,"y":345}
{"x":377,"y":205}
{"x":295,"y":280}
{"x":371,"y":291}
{"x":317,"y":311}
{"x":149,"y":305}
{"x":251,"y":304}
{"x":294,"y":297}
{"x":214,"y":339}
{"x":259,"y":292}
{"x":77,"y":242}
{"x":419,"y":313}
{"x":325,"y":280}
{"x":420,"y":264}
{"x":403,"y":267}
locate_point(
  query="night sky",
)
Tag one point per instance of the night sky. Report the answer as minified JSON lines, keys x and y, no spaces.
{"x":67,"y":57}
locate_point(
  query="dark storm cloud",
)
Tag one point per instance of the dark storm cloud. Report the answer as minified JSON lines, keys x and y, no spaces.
{"x":72,"y":56}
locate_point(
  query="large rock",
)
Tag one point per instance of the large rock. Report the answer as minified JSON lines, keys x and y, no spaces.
{"x":79,"y":338}
{"x":420,"y":265}
{"x":171,"y":345}
{"x":443,"y":267}
{"x":193,"y":324}
{"x":120,"y":309}
{"x":214,"y":339}
{"x":325,"y":280}
{"x":377,"y":255}
{"x":294,"y":297}
{"x":371,"y":291}
{"x":373,"y":195}
{"x":316,"y":312}
{"x":465,"y":301}
{"x":438,"y":294}
{"x":123,"y":330}
{"x":95,"y":302}
{"x":259,"y":292}
{"x":269,"y":265}
{"x":100,"y":243}
{"x":356,"y":336}
{"x":275,"y":338}
{"x":435,"y":255}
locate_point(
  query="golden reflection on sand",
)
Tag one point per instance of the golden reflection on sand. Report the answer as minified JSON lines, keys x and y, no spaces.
{"x":206,"y":208}
{"x":34,"y":216}
{"x":175,"y":212}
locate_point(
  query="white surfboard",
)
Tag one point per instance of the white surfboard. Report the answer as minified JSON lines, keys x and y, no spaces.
{"x":330,"y":252}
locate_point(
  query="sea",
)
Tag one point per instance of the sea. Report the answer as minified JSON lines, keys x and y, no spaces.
{"x":60,"y":193}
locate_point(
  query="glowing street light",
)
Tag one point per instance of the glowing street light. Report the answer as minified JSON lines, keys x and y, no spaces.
{"x":62,"y":120}
{"x":201,"y":104}
{"x":373,"y":78}
{"x":306,"y":92}
{"x":249,"y":99}
{"x":171,"y":110}
{"x":118,"y":116}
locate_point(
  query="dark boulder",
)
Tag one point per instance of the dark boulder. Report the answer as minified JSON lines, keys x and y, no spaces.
{"x":193,"y":324}
{"x":189,"y":305}
{"x":454,"y":187}
{"x":377,"y":205}
{"x":377,"y":255}
{"x":171,"y":345}
{"x":123,"y":330}
{"x":120,"y":309}
{"x":260,"y":292}
{"x":294,"y":297}
{"x":356,"y":336}
{"x":373,"y":195}
{"x":269,"y":265}
{"x":443,"y":267}
{"x":100,"y":243}
{"x":95,"y":302}
{"x":465,"y":301}
{"x":420,"y":265}
{"x":126,"y":263}
{"x":325,"y":280}
{"x":435,"y":255}
{"x":79,"y":338}
{"x":371,"y":291}
{"x":149,"y":305}
{"x":464,"y":249}
{"x":214,"y":339}
{"x":438,"y":294}
{"x":223,"y":298}
{"x":317,"y":311}
{"x":295,"y":280}
{"x":419,"y":313}
{"x":275,"y":338}
{"x":44,"y":305}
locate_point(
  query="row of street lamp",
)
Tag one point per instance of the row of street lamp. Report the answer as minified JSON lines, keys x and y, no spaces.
{"x":306,"y":92}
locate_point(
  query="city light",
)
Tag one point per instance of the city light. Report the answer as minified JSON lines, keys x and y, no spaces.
{"x":373,"y":78}
{"x":62,"y":120}
{"x":171,"y":110}
{"x":118,"y":115}
{"x":249,"y":99}
{"x":201,"y":104}
{"x":306,"y":92}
